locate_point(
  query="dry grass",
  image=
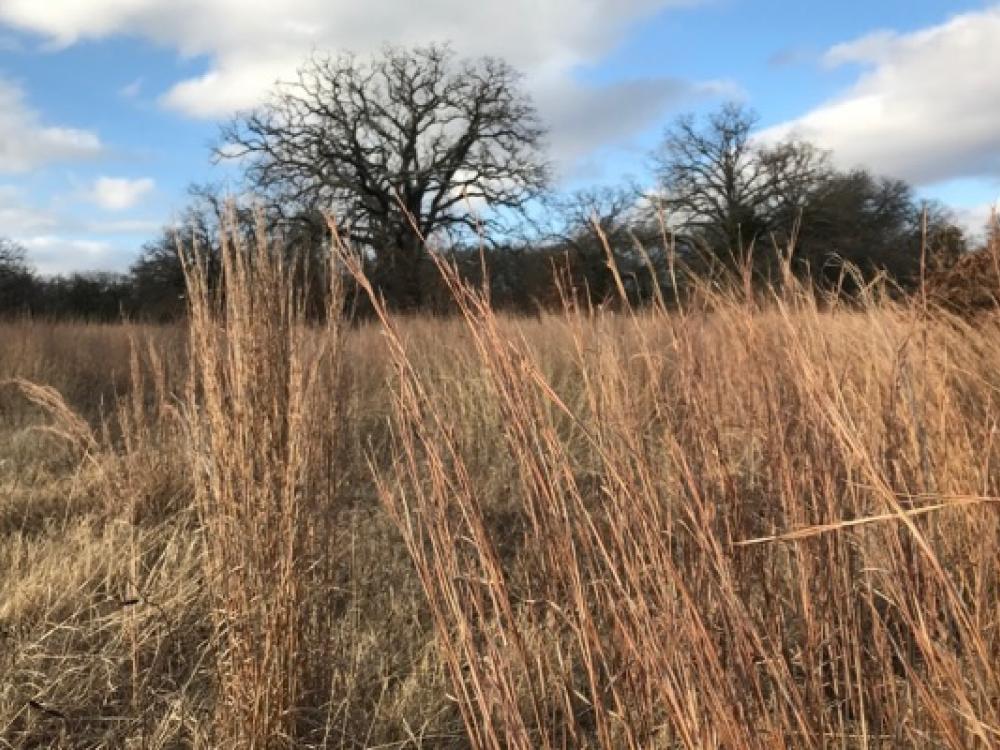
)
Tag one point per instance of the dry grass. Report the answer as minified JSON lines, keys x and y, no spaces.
{"x":971,"y":285}
{"x":750,"y":523}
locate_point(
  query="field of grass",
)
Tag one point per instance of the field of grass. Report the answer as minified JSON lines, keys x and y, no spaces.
{"x":747,"y":523}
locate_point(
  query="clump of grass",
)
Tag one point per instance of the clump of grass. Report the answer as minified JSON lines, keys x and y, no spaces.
{"x":256,"y":398}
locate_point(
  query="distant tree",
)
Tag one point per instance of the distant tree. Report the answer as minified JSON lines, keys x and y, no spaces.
{"x":594,"y":221}
{"x":400,"y":147}
{"x":94,"y":295}
{"x":874,"y":224}
{"x":158,"y":273}
{"x":17,"y":278}
{"x":727,"y":190}
{"x":945,"y":241}
{"x":597,"y":222}
{"x":158,"y":279}
{"x":13,"y":257}
{"x":730,"y":191}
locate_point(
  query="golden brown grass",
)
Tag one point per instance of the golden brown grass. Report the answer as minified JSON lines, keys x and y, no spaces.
{"x":753,"y":522}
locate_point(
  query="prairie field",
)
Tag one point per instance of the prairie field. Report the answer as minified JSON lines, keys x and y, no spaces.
{"x":754,"y":520}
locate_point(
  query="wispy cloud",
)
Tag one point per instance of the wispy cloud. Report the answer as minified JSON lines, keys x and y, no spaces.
{"x":10,"y":43}
{"x":18,"y":217}
{"x":974,"y":220}
{"x":27,"y":142}
{"x":790,"y":56}
{"x":55,"y":254}
{"x":59,"y":240}
{"x":132,"y":89}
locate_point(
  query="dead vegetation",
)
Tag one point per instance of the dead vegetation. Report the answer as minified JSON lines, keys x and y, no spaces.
{"x":752,"y":522}
{"x":970,"y":286}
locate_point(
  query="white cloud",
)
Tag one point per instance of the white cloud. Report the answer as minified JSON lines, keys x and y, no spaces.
{"x":975,"y":220}
{"x":55,"y":254}
{"x":143,"y":227}
{"x":18,"y":218}
{"x":926,"y":107}
{"x":251,"y":44}
{"x":60,"y":242}
{"x":10,"y":44}
{"x":27,"y":143}
{"x":120,"y":193}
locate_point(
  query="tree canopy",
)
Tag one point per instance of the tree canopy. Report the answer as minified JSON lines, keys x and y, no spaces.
{"x":732,"y":193}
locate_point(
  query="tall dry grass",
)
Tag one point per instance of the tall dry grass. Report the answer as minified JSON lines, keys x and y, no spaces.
{"x":762,"y":526}
{"x":761,"y":520}
{"x":262,"y":389}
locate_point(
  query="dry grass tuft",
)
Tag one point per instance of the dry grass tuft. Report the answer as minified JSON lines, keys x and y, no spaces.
{"x":255,"y":402}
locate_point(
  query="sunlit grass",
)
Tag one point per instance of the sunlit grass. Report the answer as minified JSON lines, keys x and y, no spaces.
{"x":756,"y":521}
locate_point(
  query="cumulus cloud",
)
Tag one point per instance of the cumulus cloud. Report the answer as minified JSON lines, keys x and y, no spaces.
{"x":251,"y":44}
{"x":26,"y":142}
{"x":120,"y":193}
{"x":925,"y":106}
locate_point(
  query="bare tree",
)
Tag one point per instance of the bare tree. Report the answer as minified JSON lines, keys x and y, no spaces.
{"x":401,"y":147}
{"x":158,"y":273}
{"x":13,"y":257}
{"x":592,"y":222}
{"x":726,"y":187}
{"x":17,"y":277}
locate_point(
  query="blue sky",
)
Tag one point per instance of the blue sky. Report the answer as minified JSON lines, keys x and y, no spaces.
{"x":108,"y":109}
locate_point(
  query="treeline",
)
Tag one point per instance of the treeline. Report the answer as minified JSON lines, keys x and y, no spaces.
{"x":412,"y":149}
{"x":97,"y":295}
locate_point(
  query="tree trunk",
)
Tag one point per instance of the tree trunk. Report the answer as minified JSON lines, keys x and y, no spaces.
{"x":398,"y":275}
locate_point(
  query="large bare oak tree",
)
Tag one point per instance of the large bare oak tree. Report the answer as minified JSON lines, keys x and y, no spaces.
{"x":404,"y":146}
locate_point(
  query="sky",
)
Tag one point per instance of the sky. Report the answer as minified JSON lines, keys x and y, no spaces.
{"x":109,"y":108}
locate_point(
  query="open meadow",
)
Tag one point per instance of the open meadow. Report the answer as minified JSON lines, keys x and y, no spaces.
{"x":523,"y":375}
{"x":754,"y":521}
